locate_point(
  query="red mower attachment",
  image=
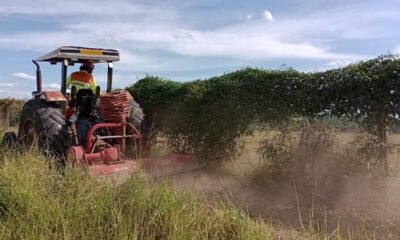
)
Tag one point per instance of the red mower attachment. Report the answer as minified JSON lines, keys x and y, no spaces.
{"x":104,"y":148}
{"x":101,"y":157}
{"x":104,"y":155}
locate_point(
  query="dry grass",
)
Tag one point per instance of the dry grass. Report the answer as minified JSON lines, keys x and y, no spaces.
{"x":39,"y":203}
{"x":361,"y":206}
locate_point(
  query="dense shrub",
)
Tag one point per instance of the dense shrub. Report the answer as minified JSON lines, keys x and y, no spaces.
{"x":304,"y":156}
{"x":367,"y":93}
{"x":317,"y":154}
{"x":158,"y":98}
{"x":207,"y":118}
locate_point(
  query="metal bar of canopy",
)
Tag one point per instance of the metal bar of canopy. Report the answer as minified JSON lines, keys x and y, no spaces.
{"x":64,"y":67}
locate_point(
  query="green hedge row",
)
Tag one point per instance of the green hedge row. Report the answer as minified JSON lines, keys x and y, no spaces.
{"x":207,"y":117}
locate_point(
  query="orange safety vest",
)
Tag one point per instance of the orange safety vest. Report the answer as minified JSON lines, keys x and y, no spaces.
{"x":82,"y":80}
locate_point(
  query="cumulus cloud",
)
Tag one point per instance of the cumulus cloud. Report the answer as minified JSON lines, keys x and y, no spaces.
{"x":140,"y":40}
{"x":52,"y":86}
{"x":253,"y":41}
{"x":23,"y":75}
{"x":151,"y":38}
{"x":10,"y":85}
{"x":268,"y":15}
{"x":338,"y":63}
{"x":14,"y":92}
{"x":249,"y":16}
{"x":73,"y":8}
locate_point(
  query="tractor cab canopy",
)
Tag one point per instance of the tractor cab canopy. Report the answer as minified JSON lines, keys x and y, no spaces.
{"x":79,"y":54}
{"x":69,"y":55}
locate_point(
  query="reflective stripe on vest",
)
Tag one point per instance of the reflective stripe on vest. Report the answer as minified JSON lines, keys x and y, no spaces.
{"x":80,"y":85}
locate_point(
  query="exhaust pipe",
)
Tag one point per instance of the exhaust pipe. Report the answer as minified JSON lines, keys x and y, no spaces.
{"x":38,"y":79}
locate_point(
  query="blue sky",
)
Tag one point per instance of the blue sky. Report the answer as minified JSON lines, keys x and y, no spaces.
{"x":187,"y":40}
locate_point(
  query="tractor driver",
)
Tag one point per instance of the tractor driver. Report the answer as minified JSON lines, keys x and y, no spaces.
{"x":83,"y":79}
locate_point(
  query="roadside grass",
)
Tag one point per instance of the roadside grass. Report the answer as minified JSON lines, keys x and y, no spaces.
{"x":37,"y":202}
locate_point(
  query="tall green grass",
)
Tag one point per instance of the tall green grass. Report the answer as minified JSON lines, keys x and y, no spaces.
{"x":37,"y":202}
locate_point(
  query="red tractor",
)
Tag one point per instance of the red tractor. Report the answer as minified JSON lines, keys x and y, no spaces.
{"x":100,"y":131}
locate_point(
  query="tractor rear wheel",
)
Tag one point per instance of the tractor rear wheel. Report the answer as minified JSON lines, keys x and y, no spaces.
{"x":43,"y":123}
{"x":133,"y":148}
{"x":135,"y":114}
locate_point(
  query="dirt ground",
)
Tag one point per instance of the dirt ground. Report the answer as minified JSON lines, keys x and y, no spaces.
{"x":362,"y":205}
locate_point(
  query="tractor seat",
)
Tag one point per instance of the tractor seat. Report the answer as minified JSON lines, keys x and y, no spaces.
{"x":84,"y":102}
{"x":81,"y":95}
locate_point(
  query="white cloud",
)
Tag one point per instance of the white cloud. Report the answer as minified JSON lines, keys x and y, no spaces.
{"x":73,"y":8}
{"x":15,"y":93}
{"x":248,"y":17}
{"x":141,"y":32}
{"x":338,"y":63}
{"x":23,"y":75}
{"x":52,"y":86}
{"x":252,"y":41}
{"x":246,"y":42}
{"x":6,"y":85}
{"x":268,"y":15}
{"x":249,"y":40}
{"x":396,"y":50}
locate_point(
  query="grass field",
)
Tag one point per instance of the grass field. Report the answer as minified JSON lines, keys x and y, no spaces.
{"x":225,"y":203}
{"x":39,"y":203}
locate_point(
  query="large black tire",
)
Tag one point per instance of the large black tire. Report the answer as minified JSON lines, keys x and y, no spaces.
{"x":136,"y":114}
{"x":43,"y":123}
{"x":10,"y":140}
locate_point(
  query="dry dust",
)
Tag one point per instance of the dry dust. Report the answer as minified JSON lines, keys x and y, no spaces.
{"x":360,"y":204}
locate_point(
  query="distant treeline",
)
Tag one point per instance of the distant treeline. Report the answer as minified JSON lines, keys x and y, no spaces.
{"x":9,"y":111}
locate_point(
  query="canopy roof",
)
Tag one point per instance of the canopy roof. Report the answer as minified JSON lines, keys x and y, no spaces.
{"x":79,"y":54}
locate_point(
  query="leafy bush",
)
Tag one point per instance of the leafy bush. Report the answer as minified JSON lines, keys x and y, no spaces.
{"x":368,"y":155}
{"x":158,"y":98}
{"x":315,"y":154}
{"x":367,"y":93}
{"x":303,"y":156}
{"x":277,"y":154}
{"x":207,"y":118}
